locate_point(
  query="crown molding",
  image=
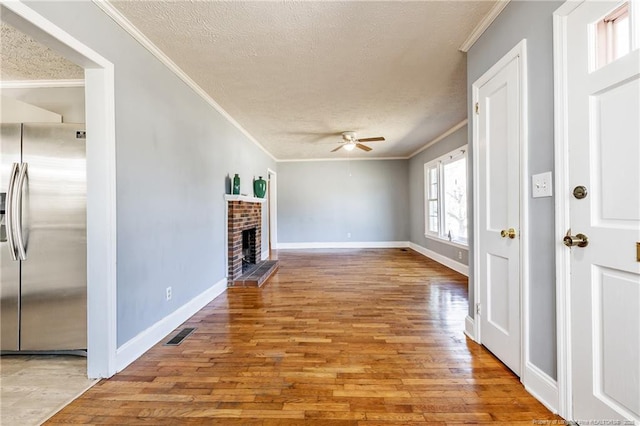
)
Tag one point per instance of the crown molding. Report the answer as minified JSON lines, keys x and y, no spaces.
{"x":40,"y":84}
{"x":442,"y":136}
{"x":307,"y":160}
{"x":483,"y":25}
{"x":128,"y":26}
{"x":408,"y":157}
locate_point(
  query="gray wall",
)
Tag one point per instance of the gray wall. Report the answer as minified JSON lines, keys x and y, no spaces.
{"x":66,"y":101}
{"x":531,"y":20}
{"x":322,"y":201}
{"x":416,"y":195}
{"x":173,"y":154}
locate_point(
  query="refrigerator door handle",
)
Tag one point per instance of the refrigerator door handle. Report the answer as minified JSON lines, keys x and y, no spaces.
{"x":17,"y":210}
{"x":9,"y":212}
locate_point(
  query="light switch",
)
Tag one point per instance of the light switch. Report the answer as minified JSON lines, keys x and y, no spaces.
{"x":541,"y":185}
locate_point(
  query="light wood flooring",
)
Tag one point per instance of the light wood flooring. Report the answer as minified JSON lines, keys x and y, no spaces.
{"x":336,"y":337}
{"x":33,"y":387}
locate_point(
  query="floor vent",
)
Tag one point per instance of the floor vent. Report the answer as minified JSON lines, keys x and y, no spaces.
{"x":178,"y":338}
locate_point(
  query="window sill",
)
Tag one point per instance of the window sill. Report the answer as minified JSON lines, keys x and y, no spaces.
{"x":447,"y":242}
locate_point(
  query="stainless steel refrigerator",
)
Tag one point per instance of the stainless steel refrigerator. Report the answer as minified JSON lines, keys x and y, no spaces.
{"x":43,"y":287}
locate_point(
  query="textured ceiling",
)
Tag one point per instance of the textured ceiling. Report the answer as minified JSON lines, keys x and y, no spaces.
{"x":297,"y":74}
{"x":23,"y":58}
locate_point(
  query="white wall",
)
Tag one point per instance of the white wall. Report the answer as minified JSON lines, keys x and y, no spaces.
{"x":15,"y":111}
{"x":325,"y":201}
{"x":66,"y":101}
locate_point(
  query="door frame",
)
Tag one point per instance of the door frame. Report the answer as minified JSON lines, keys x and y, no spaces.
{"x":518,"y":51}
{"x":272,"y":176}
{"x":101,"y":181}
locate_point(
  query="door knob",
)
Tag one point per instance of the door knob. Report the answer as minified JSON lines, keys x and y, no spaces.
{"x":579,"y":240}
{"x":511,"y":233}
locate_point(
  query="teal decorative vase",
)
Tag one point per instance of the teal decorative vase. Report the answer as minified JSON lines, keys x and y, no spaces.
{"x":260,"y":187}
{"x":236,"y":185}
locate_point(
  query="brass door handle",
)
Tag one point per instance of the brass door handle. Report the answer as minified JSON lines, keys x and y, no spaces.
{"x":579,"y":240}
{"x":511,"y":233}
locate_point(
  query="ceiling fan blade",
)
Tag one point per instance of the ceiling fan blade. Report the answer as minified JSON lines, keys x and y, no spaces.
{"x":335,"y":149}
{"x":378,"y":139}
{"x":363,"y":147}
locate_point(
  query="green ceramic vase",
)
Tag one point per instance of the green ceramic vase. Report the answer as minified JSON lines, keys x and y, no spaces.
{"x":236,"y":185}
{"x":259,"y":187}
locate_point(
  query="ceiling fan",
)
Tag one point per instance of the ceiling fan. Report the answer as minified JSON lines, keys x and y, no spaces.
{"x":350,"y":141}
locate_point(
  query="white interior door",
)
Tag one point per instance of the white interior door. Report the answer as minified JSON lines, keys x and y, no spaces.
{"x":272,"y":195}
{"x":603,"y":107}
{"x":498,"y":222}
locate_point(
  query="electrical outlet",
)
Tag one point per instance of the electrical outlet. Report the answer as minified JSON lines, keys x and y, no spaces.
{"x":459,"y":254}
{"x":348,"y":234}
{"x":169,"y":293}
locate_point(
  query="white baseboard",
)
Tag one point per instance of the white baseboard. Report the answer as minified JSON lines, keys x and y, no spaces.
{"x":444,"y":260}
{"x":470,"y":328}
{"x":264,"y":255}
{"x":137,"y":346}
{"x":329,"y":245}
{"x":541,"y":386}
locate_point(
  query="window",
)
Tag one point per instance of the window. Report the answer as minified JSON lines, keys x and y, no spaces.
{"x":446,"y":197}
{"x":613,"y":36}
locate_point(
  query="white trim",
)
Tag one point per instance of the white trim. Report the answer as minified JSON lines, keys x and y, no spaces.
{"x":483,"y":25}
{"x":469,"y":328}
{"x":121,"y":20}
{"x":561,"y":167}
{"x":443,"y":260}
{"x":245,"y":198}
{"x":449,"y":132}
{"x":340,"y":244}
{"x":101,"y":212}
{"x":273,"y":208}
{"x":300,"y":160}
{"x":525,"y":338}
{"x":226,"y":240}
{"x":101,"y":181}
{"x":447,"y":242}
{"x":519,"y":51}
{"x":145,"y":340}
{"x":39,"y":84}
{"x":439,"y":165}
{"x":542,"y":387}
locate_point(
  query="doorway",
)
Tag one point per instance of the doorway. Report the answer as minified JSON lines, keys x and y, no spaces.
{"x":272,"y":199}
{"x":101,"y":179}
{"x":499,"y":147}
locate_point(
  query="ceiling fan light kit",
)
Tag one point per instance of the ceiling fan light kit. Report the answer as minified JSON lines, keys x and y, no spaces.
{"x":350,"y":141}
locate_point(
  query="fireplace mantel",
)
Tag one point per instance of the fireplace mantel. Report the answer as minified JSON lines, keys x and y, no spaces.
{"x":245,"y":198}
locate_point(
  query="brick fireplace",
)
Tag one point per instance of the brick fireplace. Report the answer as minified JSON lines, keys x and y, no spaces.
{"x":243,"y":214}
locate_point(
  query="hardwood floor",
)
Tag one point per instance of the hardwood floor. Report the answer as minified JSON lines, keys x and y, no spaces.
{"x":336,"y":337}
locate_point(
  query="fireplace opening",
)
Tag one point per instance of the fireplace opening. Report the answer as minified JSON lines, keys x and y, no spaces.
{"x":248,"y":249}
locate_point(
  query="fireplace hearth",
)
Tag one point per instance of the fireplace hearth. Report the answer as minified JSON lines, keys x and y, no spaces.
{"x":244,"y":237}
